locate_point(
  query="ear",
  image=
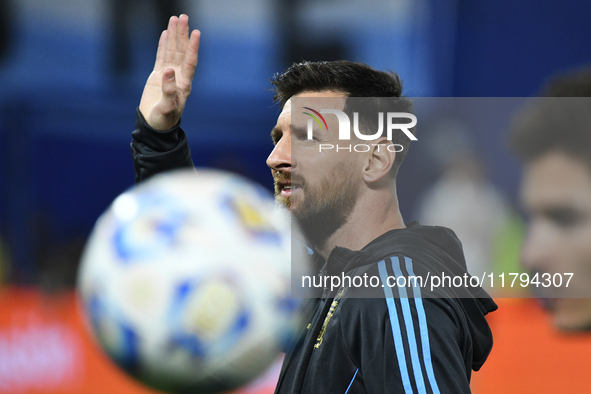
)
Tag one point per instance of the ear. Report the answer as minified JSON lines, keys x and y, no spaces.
{"x":379,"y":161}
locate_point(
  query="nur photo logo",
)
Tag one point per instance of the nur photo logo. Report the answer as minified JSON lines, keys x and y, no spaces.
{"x":344,"y":125}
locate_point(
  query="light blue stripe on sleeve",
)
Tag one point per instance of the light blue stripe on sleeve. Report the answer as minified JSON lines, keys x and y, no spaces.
{"x":410,"y":329}
{"x":354,"y":376}
{"x":398,"y":345}
{"x":424,"y":329}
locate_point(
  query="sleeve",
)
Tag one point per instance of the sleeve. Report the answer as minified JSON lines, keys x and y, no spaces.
{"x":156,"y":151}
{"x":409,"y":345}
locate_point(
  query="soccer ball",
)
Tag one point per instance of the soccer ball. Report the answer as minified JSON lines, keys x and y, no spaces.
{"x":185,"y":281}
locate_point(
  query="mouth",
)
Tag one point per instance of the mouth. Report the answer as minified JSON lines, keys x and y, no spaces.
{"x":286,"y":189}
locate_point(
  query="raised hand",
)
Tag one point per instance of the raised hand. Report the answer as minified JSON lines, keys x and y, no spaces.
{"x":169,"y":84}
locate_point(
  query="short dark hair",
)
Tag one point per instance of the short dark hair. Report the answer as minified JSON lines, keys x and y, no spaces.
{"x":559,"y":121}
{"x":353,"y":79}
{"x":576,"y":83}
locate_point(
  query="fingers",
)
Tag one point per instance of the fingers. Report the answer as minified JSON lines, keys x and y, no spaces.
{"x":190,"y":60}
{"x":168,"y":92}
{"x":182,"y":38}
{"x":170,"y":46}
{"x":161,"y":49}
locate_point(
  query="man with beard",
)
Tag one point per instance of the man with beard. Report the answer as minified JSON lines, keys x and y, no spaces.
{"x":405,"y":340}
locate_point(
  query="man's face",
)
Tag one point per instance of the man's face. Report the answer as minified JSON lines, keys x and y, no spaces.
{"x":556,"y":191}
{"x":319,"y":188}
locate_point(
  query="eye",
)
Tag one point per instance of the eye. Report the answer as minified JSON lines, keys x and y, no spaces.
{"x":299,"y":133}
{"x":564,"y":217}
{"x":276,"y":136}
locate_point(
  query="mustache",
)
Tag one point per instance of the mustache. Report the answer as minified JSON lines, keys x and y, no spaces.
{"x":283,"y":177}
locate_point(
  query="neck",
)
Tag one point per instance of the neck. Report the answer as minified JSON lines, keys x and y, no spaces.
{"x":374,"y":214}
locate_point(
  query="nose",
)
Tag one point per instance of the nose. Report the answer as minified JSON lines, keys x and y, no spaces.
{"x":537,"y":248}
{"x":280,"y":157}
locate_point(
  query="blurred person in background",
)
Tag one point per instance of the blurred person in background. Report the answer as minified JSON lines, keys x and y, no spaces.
{"x":553,"y":139}
{"x":544,"y":345}
{"x":354,"y":345}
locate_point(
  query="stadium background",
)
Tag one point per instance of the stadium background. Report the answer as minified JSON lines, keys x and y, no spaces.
{"x":72,"y":72}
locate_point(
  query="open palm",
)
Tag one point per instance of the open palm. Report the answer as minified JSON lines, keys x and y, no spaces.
{"x":169,"y":84}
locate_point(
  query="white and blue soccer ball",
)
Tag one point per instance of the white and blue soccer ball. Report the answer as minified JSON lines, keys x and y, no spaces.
{"x":185,"y":281}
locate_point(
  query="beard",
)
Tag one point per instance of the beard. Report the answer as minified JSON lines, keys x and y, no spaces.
{"x":322,"y":209}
